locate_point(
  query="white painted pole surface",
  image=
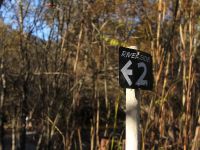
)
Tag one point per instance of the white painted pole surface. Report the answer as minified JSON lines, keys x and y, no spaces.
{"x":132,"y":118}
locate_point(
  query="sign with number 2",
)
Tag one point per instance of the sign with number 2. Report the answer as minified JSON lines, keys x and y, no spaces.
{"x":135,"y":69}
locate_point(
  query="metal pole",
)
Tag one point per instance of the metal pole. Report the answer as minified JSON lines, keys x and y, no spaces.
{"x":132,"y":118}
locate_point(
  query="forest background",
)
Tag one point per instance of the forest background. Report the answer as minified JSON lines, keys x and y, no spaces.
{"x":59,"y":73}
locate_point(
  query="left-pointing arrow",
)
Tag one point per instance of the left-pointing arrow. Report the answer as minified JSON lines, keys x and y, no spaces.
{"x":127,"y":72}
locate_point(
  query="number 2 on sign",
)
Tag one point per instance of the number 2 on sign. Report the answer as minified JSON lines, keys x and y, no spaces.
{"x":141,"y":80}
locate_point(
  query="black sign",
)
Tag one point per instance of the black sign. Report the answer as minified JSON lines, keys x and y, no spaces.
{"x":135,"y":69}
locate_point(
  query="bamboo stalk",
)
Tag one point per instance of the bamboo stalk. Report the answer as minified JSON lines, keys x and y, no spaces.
{"x":106,"y":89}
{"x":97,"y":120}
{"x":159,"y":22}
{"x":196,"y":140}
{"x":79,"y":138}
{"x":189,"y":86}
{"x":2,"y":100}
{"x":78,"y":49}
{"x":92,"y":136}
{"x":162,"y":113}
{"x":13,"y":147}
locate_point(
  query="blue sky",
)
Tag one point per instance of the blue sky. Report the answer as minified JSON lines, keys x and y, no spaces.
{"x":39,"y":27}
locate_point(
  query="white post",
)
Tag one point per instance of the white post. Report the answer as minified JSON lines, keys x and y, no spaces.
{"x":132,"y":118}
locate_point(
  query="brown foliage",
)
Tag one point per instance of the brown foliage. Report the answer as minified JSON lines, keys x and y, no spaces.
{"x":68,"y":81}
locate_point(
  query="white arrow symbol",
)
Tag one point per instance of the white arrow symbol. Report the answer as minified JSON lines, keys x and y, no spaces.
{"x":127,"y":72}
